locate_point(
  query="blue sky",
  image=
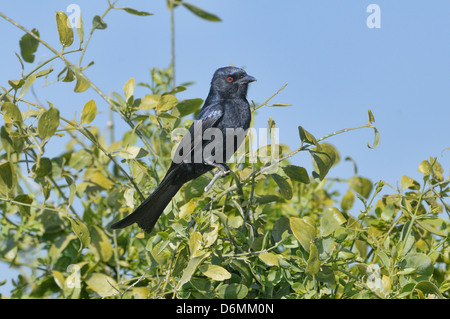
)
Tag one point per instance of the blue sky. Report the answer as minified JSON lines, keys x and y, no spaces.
{"x":335,"y":66}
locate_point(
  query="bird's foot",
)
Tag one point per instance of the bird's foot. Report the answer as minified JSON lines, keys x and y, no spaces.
{"x":222,"y":171}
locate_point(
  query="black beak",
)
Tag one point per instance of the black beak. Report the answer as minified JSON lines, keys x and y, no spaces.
{"x":247,"y":79}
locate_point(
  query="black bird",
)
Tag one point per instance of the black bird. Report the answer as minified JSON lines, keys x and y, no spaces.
{"x":226,"y":107}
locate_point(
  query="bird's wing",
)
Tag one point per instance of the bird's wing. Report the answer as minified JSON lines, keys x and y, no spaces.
{"x":207,"y":118}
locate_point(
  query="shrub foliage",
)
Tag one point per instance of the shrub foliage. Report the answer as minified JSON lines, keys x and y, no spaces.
{"x":269,"y":230}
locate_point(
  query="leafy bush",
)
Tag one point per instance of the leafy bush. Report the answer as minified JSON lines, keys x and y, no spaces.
{"x":269,"y":230}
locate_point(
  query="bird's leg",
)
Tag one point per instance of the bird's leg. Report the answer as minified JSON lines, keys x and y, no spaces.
{"x":222,"y":170}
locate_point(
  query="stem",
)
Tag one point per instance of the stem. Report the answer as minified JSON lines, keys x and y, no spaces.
{"x":271,"y":97}
{"x":111,"y":6}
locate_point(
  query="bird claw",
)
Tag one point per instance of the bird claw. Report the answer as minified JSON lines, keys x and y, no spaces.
{"x":221,"y":172}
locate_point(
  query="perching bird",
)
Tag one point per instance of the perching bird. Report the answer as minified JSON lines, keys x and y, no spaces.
{"x":226,"y":107}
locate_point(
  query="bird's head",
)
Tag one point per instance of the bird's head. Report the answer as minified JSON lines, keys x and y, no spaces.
{"x":231,"y":82}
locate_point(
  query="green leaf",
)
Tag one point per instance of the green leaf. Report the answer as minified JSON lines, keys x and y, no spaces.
{"x":28,"y":83}
{"x":128,"y":88}
{"x":43,"y":168}
{"x":89,"y":112}
{"x":304,"y":230}
{"x":361,"y":185}
{"x":244,"y":270}
{"x":233,"y":291}
{"x":269,"y":259}
{"x":136,"y":12}
{"x":313,"y":262}
{"x":432,"y":225}
{"x":428,"y":288}
{"x":60,"y":244}
{"x":65,"y":30}
{"x":98,"y":23}
{"x":44,"y":73}
{"x":215,"y":272}
{"x":100,"y":245}
{"x":82,"y":232}
{"x":384,"y":259}
{"x":280,"y":105}
{"x":371,"y":117}
{"x":102,"y":284}
{"x":28,"y":46}
{"x":72,"y":190}
{"x":25,"y":199}
{"x":347,"y":200}
{"x":201,"y":13}
{"x":11,"y":113}
{"x":376,"y":141}
{"x":266,"y":199}
{"x":330,"y":221}
{"x":189,"y":106}
{"x":297,"y":173}
{"x":420,"y":262}
{"x":307,"y":137}
{"x":324,"y":158}
{"x":82,"y":84}
{"x":285,"y":187}
{"x":191,"y":267}
{"x":16,"y":84}
{"x":48,"y":123}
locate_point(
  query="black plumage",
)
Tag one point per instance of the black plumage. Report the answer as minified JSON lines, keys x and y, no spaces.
{"x":226,"y":107}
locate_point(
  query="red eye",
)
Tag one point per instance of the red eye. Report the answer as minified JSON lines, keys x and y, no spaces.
{"x":230,"y":79}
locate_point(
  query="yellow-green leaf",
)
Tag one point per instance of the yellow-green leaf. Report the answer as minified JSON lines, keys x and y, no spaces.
{"x":82,"y":84}
{"x":132,"y":152}
{"x":269,"y":259}
{"x":89,"y":112}
{"x":304,"y":230}
{"x":28,"y":83}
{"x":64,"y":29}
{"x":215,"y":272}
{"x":330,"y":221}
{"x":187,"y":209}
{"x":210,"y":235}
{"x":128,"y":88}
{"x":150,"y":101}
{"x":347,"y":200}
{"x":11,"y":113}
{"x":102,"y":284}
{"x":80,"y":29}
{"x":166,"y":103}
{"x":48,"y":123}
{"x":313,"y":263}
{"x":195,"y":244}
